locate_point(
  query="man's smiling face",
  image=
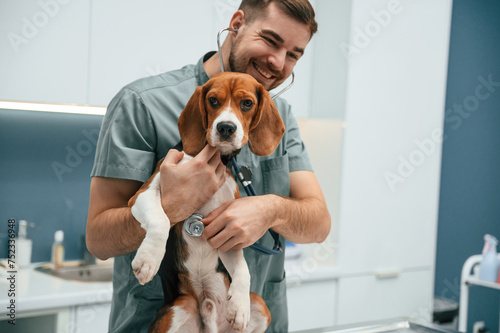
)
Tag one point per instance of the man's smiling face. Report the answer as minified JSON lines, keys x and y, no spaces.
{"x":269,"y":47}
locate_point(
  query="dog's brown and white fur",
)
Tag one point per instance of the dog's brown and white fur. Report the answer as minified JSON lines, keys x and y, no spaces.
{"x":227,"y":112}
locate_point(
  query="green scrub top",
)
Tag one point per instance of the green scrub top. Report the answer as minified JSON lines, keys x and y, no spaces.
{"x":139,"y":128}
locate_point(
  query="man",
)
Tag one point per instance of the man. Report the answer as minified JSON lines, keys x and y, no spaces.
{"x":139,"y":129}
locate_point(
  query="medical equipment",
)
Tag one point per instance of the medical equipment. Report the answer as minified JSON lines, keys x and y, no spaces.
{"x":222,"y":63}
{"x":193,"y":225}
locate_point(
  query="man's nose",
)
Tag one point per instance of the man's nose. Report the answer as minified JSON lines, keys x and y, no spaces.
{"x":277,"y":59}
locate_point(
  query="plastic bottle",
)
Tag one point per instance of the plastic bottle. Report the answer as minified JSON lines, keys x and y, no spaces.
{"x":58,"y":249}
{"x":24,"y":245}
{"x":488,"y":269}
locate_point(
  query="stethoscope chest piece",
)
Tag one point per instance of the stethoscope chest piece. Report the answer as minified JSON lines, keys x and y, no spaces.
{"x":193,"y":225}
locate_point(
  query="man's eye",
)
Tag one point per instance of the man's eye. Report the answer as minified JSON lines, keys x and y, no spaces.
{"x":246,"y":105}
{"x":293,"y":56}
{"x":213,"y":102}
{"x":270,"y":41}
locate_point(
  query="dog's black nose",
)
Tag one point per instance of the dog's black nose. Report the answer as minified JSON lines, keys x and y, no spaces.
{"x":226,"y":129}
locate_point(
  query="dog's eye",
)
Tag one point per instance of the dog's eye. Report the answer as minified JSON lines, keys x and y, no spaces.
{"x":213,"y":102}
{"x":246,"y":105}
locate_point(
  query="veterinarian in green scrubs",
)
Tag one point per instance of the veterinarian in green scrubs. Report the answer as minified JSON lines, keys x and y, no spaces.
{"x":140,"y":127}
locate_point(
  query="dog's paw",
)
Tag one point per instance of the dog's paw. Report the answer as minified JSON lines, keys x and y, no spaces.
{"x":238,"y":313}
{"x":147,"y":262}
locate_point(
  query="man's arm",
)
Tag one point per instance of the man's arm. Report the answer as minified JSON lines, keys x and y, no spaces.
{"x":302,"y":218}
{"x":111,"y":229}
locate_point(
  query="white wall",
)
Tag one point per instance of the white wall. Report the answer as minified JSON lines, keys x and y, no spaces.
{"x":44,"y":56}
{"x":391,"y":159}
{"x":395,"y":102}
{"x":329,"y":68}
{"x":133,"y":39}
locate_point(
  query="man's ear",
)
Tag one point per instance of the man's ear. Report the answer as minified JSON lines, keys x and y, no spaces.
{"x":238,"y":19}
{"x":267,"y":127}
{"x":193,"y":123}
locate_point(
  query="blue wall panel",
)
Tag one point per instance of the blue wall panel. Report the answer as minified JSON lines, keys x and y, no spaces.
{"x":470,"y":179}
{"x":46,"y":159}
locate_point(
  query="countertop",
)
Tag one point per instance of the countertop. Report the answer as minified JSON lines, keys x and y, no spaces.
{"x":402,"y":325}
{"x":35,"y":290}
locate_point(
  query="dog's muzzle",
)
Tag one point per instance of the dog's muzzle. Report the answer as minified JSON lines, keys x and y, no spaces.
{"x":226,"y":130}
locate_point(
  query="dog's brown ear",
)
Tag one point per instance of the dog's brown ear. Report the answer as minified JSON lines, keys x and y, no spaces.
{"x":267,"y":127}
{"x":193,"y":123}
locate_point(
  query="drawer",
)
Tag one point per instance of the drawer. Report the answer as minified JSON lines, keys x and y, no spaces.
{"x":385,"y":296}
{"x":92,"y":318}
{"x":311,"y":305}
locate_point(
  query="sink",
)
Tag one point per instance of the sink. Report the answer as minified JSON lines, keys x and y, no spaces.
{"x":87,"y":273}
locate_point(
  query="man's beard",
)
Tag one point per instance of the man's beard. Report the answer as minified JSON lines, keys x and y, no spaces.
{"x":234,"y":67}
{"x":232,"y":61}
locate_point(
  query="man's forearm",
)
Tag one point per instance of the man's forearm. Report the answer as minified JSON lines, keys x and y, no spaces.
{"x":301,"y":220}
{"x":113,"y":233}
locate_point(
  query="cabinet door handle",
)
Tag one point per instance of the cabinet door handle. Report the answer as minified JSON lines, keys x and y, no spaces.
{"x":388,"y":273}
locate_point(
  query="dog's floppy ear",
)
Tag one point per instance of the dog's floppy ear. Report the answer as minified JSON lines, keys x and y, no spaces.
{"x":267,"y":127}
{"x":193,"y":123}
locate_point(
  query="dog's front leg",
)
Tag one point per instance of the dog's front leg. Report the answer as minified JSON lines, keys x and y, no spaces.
{"x":147,"y":209}
{"x":238,"y":313}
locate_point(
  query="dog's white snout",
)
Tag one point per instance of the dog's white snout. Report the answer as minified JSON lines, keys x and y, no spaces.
{"x":227,"y":130}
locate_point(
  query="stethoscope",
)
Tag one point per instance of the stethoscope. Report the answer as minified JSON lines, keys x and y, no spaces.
{"x":193,"y":225}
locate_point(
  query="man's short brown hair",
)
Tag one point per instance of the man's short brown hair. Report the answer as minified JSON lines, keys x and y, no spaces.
{"x":301,"y":10}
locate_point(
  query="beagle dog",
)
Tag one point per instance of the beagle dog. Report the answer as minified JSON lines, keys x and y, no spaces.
{"x":207,"y":290}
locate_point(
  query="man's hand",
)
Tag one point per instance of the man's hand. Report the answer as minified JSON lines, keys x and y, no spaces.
{"x":187,"y":187}
{"x":238,"y":223}
{"x":301,"y":218}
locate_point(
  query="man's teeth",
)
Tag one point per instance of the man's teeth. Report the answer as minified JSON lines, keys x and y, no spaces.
{"x":264,"y":74}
